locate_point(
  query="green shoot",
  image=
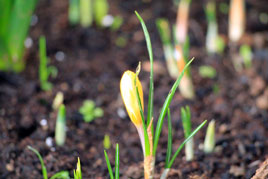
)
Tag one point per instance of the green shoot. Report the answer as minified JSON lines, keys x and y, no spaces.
{"x":246,"y":54}
{"x":150,"y":51}
{"x":86,"y":14}
{"x":89,"y":111}
{"x":60,"y":133}
{"x":14,"y":15}
{"x":101,"y":8}
{"x":109,"y":165}
{"x":44,"y":170}
{"x":58,"y":100}
{"x":209,"y":143}
{"x":212,"y":31}
{"x":61,"y":175}
{"x":117,"y":162}
{"x":146,"y":137}
{"x":78,"y":172}
{"x":106,"y":142}
{"x":206,"y":71}
{"x":165,"y":107}
{"x":118,"y":21}
{"x":187,"y":127}
{"x":44,"y":70}
{"x":74,"y":11}
{"x":184,"y":142}
{"x":165,"y":35}
{"x":169,"y":146}
{"x":112,"y":176}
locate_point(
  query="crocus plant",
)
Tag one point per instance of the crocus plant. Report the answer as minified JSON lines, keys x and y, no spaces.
{"x":132,"y":95}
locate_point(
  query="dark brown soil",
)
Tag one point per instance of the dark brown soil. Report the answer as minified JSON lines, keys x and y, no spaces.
{"x":92,"y":68}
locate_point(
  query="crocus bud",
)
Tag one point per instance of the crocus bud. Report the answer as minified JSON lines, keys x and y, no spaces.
{"x":129,"y":95}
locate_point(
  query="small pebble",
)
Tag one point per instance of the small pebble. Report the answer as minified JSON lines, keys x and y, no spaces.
{"x":49,"y":141}
{"x":28,"y":43}
{"x":108,"y":20}
{"x":121,"y":113}
{"x":60,"y":56}
{"x":34,"y":20}
{"x":43,"y":122}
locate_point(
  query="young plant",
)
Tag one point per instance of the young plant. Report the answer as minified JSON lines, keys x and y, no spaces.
{"x":60,"y":132}
{"x":175,"y":58}
{"x":78,"y":172}
{"x":74,"y":13}
{"x":90,"y":111}
{"x":187,"y":127}
{"x":58,"y":175}
{"x":106,"y":142}
{"x":212,"y":30}
{"x":237,"y":19}
{"x":44,"y":70}
{"x":15,"y":18}
{"x":206,"y":71}
{"x":114,"y":175}
{"x":86,"y":12}
{"x":246,"y":53}
{"x":132,"y":95}
{"x":209,"y":143}
{"x":58,"y":100}
{"x":101,"y":8}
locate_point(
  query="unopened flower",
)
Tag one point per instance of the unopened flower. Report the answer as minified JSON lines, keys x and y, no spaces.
{"x":129,"y":95}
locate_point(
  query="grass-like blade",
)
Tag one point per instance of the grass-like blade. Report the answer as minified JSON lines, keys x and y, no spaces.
{"x":169,"y":146}
{"x":184,"y":142}
{"x":117,"y":162}
{"x":165,"y":107}
{"x":151,"y":89}
{"x":146,"y":137}
{"x":61,"y":175}
{"x":109,"y":165}
{"x":44,"y":170}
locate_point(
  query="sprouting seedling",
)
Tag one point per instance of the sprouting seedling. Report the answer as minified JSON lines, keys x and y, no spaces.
{"x":175,"y":57}
{"x":58,"y":175}
{"x":74,"y":15}
{"x":58,"y":100}
{"x":101,"y":8}
{"x":237,"y":19}
{"x":207,"y":71}
{"x":132,"y":95}
{"x":60,"y":131}
{"x":106,"y":142}
{"x":114,"y":175}
{"x":246,"y":54}
{"x":165,"y":35}
{"x":209,"y":143}
{"x":44,"y":70}
{"x":90,"y":111}
{"x":212,"y":30}
{"x":117,"y":22}
{"x":187,"y":127}
{"x":86,"y":12}
{"x":78,"y":172}
{"x":14,"y":15}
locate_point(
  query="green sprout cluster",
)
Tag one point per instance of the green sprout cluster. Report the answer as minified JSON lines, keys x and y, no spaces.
{"x":15,"y":19}
{"x":90,"y":111}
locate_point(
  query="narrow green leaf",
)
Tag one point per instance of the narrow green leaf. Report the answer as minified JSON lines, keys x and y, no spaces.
{"x":44,"y":170}
{"x":184,"y":142}
{"x":186,"y":121}
{"x":60,"y":133}
{"x":165,"y":107}
{"x":61,"y":175}
{"x":151,"y":89}
{"x":169,"y":146}
{"x":109,"y":165}
{"x":146,"y":137}
{"x":73,"y":11}
{"x":86,"y":14}
{"x":117,"y":162}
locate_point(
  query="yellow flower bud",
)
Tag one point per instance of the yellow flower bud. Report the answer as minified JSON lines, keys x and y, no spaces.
{"x":128,"y":93}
